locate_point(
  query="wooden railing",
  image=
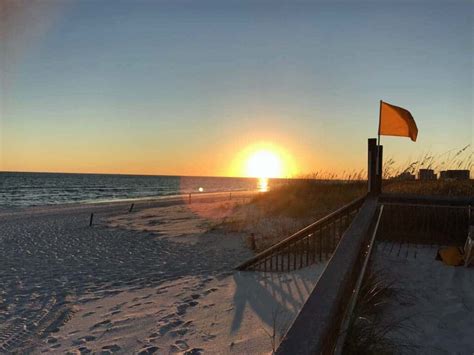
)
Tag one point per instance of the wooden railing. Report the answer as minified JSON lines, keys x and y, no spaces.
{"x":317,"y":326}
{"x":433,"y":220}
{"x":314,"y":243}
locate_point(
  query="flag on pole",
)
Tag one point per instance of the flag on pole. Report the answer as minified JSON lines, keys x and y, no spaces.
{"x":396,"y":121}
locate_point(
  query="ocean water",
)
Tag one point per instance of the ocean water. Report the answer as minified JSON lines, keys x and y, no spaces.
{"x":38,"y":189}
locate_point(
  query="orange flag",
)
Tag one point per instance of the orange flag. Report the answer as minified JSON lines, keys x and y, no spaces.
{"x":396,"y":121}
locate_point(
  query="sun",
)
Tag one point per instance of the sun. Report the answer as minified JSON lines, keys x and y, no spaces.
{"x":263,"y":160}
{"x":264,"y":164}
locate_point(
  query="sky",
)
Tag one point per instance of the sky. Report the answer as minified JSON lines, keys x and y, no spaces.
{"x":190,"y":87}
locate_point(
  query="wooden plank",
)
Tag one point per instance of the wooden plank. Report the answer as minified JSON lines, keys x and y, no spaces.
{"x":311,"y":330}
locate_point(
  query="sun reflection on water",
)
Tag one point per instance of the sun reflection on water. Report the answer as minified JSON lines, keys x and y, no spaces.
{"x":262,"y":184}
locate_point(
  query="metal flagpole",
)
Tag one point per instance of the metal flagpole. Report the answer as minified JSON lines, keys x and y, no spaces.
{"x":380,"y":117}
{"x":378,"y":165}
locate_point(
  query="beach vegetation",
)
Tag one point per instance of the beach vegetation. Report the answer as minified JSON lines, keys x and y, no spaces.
{"x":370,"y":333}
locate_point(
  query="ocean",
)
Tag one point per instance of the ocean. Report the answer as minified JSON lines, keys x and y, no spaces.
{"x":39,"y":189}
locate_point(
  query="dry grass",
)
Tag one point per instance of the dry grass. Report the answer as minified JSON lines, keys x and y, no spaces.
{"x":308,"y":198}
{"x":277,"y":214}
{"x":455,"y":159}
{"x":367,"y":333}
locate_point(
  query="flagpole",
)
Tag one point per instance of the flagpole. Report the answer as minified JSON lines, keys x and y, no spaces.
{"x":380,"y":117}
{"x":379,"y":163}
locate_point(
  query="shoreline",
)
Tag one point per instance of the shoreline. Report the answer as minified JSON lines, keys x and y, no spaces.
{"x":113,"y":205}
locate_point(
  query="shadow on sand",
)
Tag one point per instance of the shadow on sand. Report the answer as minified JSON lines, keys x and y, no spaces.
{"x":272,"y":297}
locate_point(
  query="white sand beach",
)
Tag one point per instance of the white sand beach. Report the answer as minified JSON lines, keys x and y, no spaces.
{"x":434,"y":302}
{"x":158,"y":280}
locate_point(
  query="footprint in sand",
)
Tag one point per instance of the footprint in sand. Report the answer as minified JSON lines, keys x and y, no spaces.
{"x":113,"y":348}
{"x":214,"y":289}
{"x":87,"y":314}
{"x":179,"y":332}
{"x":84,"y":350}
{"x":134,"y":305}
{"x":168,"y":316}
{"x":83,"y":340}
{"x":173,"y":349}
{"x":117,"y":307}
{"x":207,"y":337}
{"x":52,"y":340}
{"x":181,"y":309}
{"x":167,"y":327}
{"x":181,"y":344}
{"x":194,"y":351}
{"x":148,"y":350}
{"x":106,"y":322}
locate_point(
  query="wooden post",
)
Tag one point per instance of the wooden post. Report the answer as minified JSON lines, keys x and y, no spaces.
{"x":131,"y":208}
{"x":470,"y":216}
{"x":190,"y":197}
{"x":379,"y":169}
{"x":91,"y":219}
{"x":230,"y":195}
{"x":372,"y":166}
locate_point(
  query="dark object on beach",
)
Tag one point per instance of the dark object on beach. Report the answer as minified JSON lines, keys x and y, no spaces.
{"x":451,"y":256}
{"x":131,"y":208}
{"x":90,"y":221}
{"x":189,"y":197}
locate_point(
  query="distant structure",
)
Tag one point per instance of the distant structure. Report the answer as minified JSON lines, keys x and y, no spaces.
{"x":426,"y":174}
{"x":406,"y":176}
{"x":455,"y":174}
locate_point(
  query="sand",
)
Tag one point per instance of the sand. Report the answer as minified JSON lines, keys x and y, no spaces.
{"x":158,"y":280}
{"x":436,"y":300}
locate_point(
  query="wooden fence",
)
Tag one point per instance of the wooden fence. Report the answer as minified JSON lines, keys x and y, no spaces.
{"x":317,"y":327}
{"x":429,"y":220}
{"x":312,"y":244}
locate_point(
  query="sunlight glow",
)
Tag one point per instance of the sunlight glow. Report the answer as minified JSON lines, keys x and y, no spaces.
{"x":262,"y":185}
{"x":263,"y":160}
{"x":264,"y":164}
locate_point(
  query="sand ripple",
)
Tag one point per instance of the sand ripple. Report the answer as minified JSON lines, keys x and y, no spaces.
{"x":50,"y":260}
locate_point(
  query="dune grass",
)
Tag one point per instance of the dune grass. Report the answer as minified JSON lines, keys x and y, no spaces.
{"x":367,"y":333}
{"x":453,"y":159}
{"x":308,"y":198}
{"x":285,"y":209}
{"x":280,"y":212}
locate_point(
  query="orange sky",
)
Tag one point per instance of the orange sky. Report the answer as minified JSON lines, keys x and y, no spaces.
{"x":157,"y":88}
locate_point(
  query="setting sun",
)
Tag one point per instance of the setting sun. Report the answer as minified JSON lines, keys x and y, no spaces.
{"x":263,"y":160}
{"x":264,"y":164}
